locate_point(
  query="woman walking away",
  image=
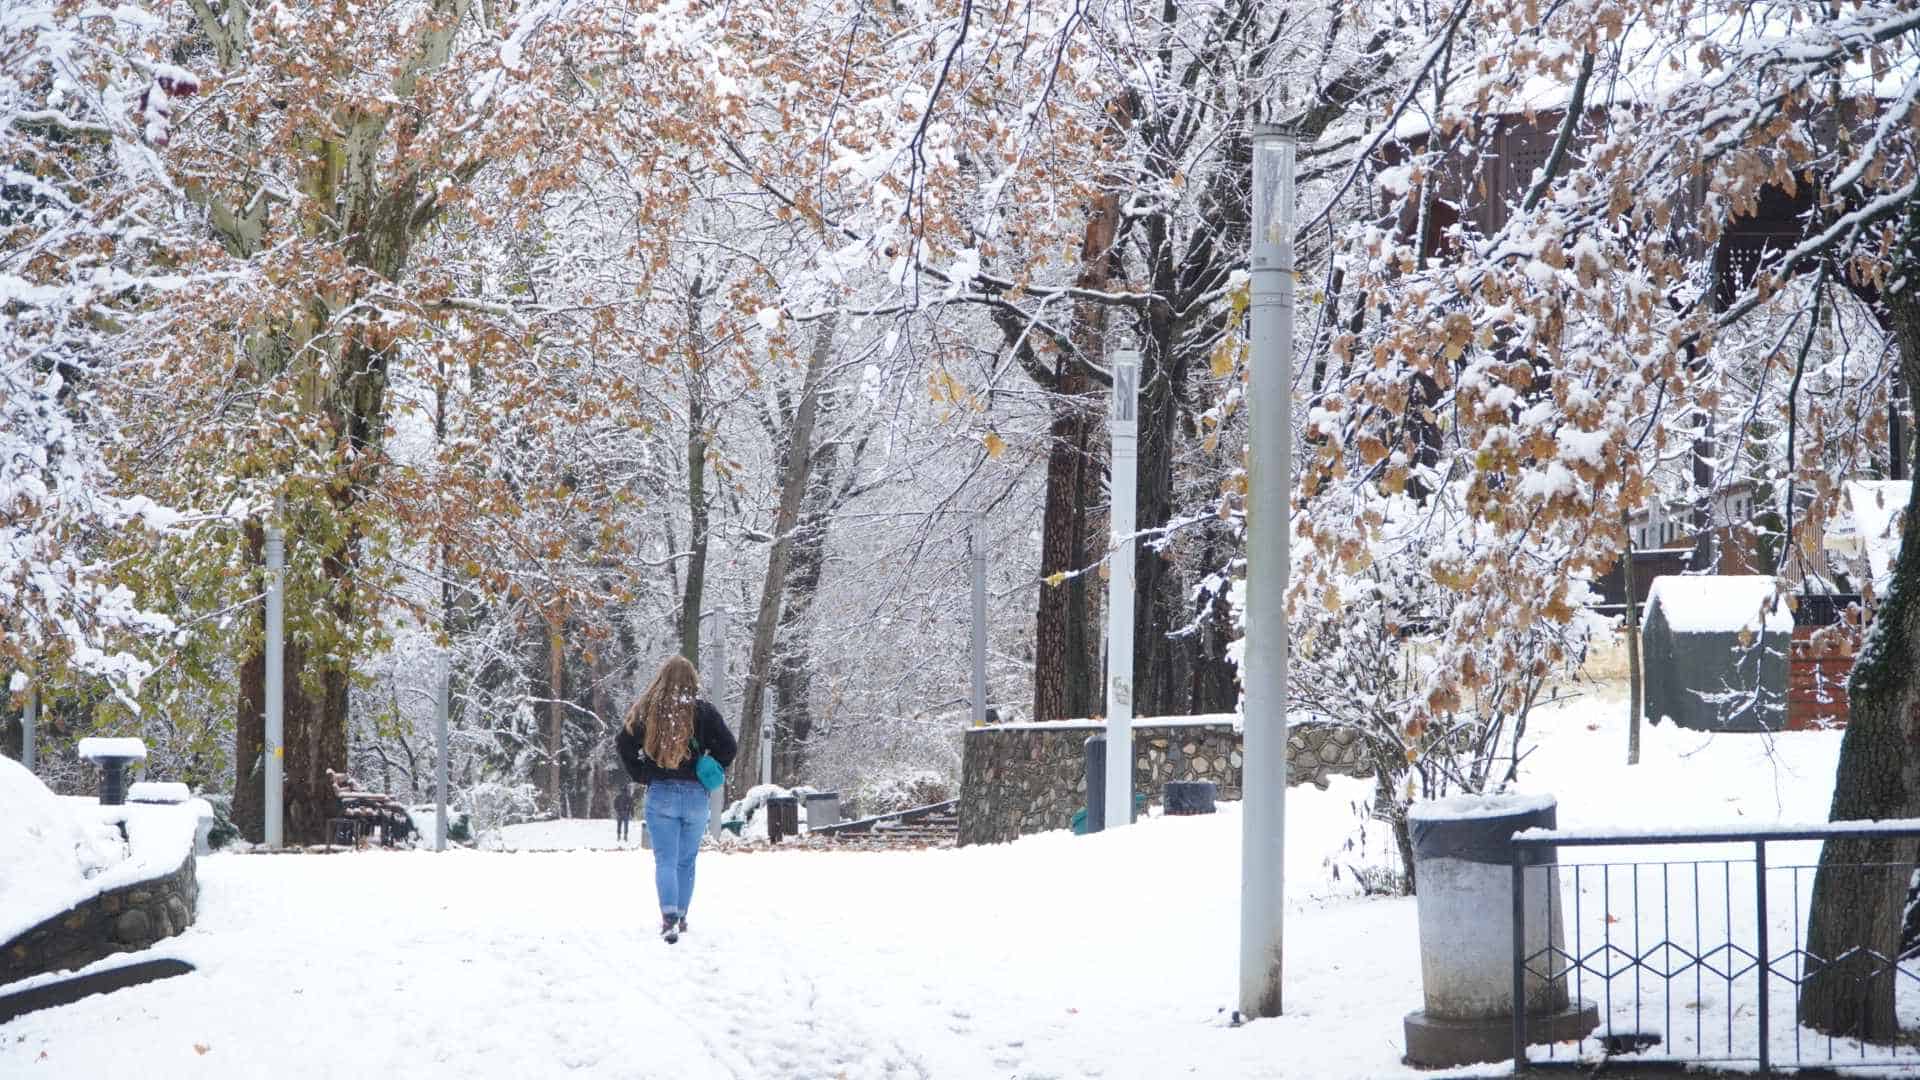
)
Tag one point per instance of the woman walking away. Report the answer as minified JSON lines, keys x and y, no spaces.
{"x":667,"y":733}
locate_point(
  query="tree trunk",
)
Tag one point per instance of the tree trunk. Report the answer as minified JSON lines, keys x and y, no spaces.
{"x":793,"y":682}
{"x":556,"y":711}
{"x":1879,"y":772}
{"x":1064,"y":643}
{"x":793,"y":486}
{"x":1066,"y":679}
{"x":313,"y":729}
{"x":690,"y":605}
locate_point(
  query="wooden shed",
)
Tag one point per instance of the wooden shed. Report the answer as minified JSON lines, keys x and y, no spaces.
{"x":1714,"y":649}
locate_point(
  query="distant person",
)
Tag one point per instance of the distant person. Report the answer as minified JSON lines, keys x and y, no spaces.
{"x":622,"y":814}
{"x":665,"y":734}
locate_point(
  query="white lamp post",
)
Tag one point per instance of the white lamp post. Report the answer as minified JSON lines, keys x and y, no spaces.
{"x":1125,"y":431}
{"x":1269,"y":490}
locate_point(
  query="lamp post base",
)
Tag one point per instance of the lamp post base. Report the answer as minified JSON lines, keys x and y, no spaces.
{"x":1438,"y":1043}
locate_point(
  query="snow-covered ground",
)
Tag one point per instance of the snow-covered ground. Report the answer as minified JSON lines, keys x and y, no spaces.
{"x":1057,"y":956}
{"x":567,"y":834}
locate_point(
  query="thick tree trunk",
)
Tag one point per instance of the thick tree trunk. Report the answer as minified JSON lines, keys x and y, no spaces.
{"x":313,"y":729}
{"x":793,"y":682}
{"x":1064,"y":643}
{"x":691,"y":601}
{"x":746,"y":770}
{"x":1879,"y":771}
{"x":1066,"y":680}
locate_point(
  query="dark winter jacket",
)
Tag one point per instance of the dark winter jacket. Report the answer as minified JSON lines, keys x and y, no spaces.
{"x":708,"y":729}
{"x":623,"y":805}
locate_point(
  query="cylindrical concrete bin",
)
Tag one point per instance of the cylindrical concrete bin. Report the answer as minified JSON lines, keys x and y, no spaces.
{"x":823,"y":809}
{"x":1463,"y":865}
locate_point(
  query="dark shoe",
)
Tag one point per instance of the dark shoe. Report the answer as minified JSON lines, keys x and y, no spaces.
{"x":670,"y":928}
{"x":683,"y":924}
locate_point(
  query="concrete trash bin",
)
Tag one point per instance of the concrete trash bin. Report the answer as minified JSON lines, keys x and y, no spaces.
{"x":823,"y":809}
{"x":1464,"y":866}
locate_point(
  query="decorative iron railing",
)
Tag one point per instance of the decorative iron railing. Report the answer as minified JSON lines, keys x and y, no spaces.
{"x":1646,"y":938}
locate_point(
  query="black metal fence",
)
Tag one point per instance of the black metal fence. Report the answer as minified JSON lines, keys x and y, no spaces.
{"x":1688,"y":959}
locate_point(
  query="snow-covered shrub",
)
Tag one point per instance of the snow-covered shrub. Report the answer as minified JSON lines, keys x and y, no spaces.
{"x":494,"y":803}
{"x":1388,"y":645}
{"x":885,"y":794}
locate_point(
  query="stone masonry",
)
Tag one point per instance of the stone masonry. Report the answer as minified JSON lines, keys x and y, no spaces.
{"x":1017,"y":779}
{"x":119,"y":920}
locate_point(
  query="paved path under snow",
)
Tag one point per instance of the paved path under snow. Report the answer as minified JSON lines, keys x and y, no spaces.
{"x":984,"y":962}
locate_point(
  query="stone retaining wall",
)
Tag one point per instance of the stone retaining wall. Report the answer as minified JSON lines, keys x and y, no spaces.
{"x":119,"y":920}
{"x":1017,"y":779}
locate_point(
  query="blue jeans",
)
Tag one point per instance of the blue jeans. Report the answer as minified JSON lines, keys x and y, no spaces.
{"x":676,"y":816}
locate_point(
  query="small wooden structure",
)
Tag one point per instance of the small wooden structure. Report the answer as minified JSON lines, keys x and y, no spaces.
{"x":1827,"y":630}
{"x":1715,"y":652}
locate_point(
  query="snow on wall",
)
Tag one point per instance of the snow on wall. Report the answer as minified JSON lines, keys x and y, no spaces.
{"x":1465,"y":807}
{"x":56,"y":852}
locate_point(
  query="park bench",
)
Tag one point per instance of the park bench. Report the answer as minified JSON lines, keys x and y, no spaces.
{"x":357,"y":813}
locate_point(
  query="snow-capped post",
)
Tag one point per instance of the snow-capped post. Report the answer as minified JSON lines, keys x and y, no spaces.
{"x":271,"y":747}
{"x":29,"y":722}
{"x":976,"y":541}
{"x":1463,"y":861}
{"x":1125,"y":433}
{"x":1269,"y":492}
{"x":113,"y":756}
{"x":442,"y":690}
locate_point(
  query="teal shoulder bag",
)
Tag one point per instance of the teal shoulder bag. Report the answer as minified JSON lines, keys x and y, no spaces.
{"x":707,"y":770}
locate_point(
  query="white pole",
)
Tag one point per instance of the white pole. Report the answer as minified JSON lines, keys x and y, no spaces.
{"x":272,"y":746}
{"x":977,"y":540}
{"x":1269,"y":489}
{"x":29,"y":724}
{"x":442,"y":691}
{"x":713,"y":637}
{"x":1125,"y":432}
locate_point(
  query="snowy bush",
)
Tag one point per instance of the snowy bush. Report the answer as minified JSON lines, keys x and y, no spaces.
{"x":493,"y":803}
{"x":885,"y":794}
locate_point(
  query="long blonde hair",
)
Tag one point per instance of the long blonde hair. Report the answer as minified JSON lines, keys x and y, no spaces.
{"x":663,"y":716}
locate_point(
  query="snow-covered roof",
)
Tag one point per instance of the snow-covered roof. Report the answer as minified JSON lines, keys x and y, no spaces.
{"x":1720,"y":603}
{"x":1464,"y":807}
{"x":1645,"y":67}
{"x":1879,"y":507}
{"x":94,"y":748}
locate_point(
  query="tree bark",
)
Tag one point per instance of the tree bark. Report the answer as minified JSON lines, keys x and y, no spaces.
{"x":1064,"y":645}
{"x":793,"y":488}
{"x":793,"y":682}
{"x":556,"y":711}
{"x":1066,"y":679}
{"x":1879,"y":772}
{"x":691,"y":601}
